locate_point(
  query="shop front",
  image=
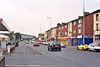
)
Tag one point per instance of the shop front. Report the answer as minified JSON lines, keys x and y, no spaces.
{"x":78,"y":40}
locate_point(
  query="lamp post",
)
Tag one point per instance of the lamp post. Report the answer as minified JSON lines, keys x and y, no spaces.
{"x":50,"y":21}
{"x":83,"y":22}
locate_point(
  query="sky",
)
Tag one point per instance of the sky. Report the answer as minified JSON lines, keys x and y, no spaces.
{"x":30,"y":16}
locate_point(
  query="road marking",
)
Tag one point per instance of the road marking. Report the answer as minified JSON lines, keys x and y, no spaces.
{"x":38,"y":50}
{"x":24,"y":65}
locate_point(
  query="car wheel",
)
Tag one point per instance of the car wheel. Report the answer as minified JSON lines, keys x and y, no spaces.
{"x":95,"y":50}
{"x":77,"y":48}
{"x":48,"y":49}
{"x":59,"y":49}
{"x":51,"y":49}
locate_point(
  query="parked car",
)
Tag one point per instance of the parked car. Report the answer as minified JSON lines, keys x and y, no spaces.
{"x":45,"y":43}
{"x":36,"y":44}
{"x":10,"y":42}
{"x":63,"y":45}
{"x":55,"y":45}
{"x":94,"y":47}
{"x":83,"y":47}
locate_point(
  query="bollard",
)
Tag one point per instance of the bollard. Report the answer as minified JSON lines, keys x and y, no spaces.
{"x":1,"y":53}
{"x":8,"y":48}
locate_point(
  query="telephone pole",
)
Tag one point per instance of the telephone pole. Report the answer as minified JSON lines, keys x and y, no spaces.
{"x":83,"y":22}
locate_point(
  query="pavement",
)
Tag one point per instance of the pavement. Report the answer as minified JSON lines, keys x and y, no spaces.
{"x":21,"y":56}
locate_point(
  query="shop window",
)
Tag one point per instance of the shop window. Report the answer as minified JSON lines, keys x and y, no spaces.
{"x":97,"y":17}
{"x":97,"y":37}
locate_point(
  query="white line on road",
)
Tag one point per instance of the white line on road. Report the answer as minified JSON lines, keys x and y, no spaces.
{"x":38,"y":50}
{"x":24,"y":65}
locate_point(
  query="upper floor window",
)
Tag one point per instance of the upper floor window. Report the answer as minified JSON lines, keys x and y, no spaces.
{"x":59,"y":34}
{"x":65,"y":33}
{"x":59,"y":28}
{"x":79,"y":31}
{"x":79,"y":21}
{"x":97,"y":17}
{"x":97,"y":26}
{"x":79,"y":25}
{"x":65,"y":26}
{"x":74,"y":32}
{"x":62,"y":27}
{"x":74,"y":23}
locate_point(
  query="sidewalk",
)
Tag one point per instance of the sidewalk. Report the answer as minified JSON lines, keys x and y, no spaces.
{"x":22,"y":55}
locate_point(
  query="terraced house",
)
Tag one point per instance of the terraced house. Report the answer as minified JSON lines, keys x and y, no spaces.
{"x":96,"y":24}
{"x":83,"y":30}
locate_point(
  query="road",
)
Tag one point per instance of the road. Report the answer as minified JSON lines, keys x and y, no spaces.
{"x":28,"y":56}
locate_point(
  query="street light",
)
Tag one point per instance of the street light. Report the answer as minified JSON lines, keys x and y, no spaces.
{"x":50,"y":21}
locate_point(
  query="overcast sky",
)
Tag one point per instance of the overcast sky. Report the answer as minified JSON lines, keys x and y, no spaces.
{"x":28,"y":16}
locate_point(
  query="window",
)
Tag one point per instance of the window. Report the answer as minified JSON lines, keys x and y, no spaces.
{"x":74,"y":23}
{"x":79,"y":25}
{"x":97,"y":17}
{"x":96,"y":26}
{"x":62,"y":27}
{"x":65,"y":26}
{"x":59,"y":28}
{"x":65,"y":33}
{"x":79,"y":31}
{"x":74,"y":32}
{"x":79,"y":21}
{"x":59,"y":34}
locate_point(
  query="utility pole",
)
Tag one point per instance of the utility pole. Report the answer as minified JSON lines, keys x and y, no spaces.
{"x":83,"y":22}
{"x":40,"y":28}
{"x":50,"y":21}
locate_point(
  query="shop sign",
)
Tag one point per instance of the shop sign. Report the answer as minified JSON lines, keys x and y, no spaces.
{"x":88,"y":36}
{"x":79,"y":36}
{"x":74,"y":37}
{"x":97,"y":32}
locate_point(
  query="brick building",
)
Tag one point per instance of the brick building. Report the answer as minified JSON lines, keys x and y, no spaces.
{"x":82,"y":30}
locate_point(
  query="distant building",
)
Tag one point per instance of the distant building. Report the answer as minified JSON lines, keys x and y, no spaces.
{"x":4,"y":31}
{"x":27,"y":37}
{"x":41,"y":36}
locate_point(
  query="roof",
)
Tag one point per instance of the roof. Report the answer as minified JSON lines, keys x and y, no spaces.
{"x":4,"y":32}
{"x":3,"y":26}
{"x":3,"y":36}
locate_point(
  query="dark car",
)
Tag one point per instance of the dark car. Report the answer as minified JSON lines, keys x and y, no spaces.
{"x":55,"y":45}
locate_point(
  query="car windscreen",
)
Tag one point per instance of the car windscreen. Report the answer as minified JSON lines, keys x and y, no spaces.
{"x":55,"y":43}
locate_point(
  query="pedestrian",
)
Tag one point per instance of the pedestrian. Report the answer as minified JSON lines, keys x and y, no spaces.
{"x":17,"y":44}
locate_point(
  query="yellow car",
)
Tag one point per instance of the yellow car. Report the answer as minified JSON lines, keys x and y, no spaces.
{"x":83,"y":47}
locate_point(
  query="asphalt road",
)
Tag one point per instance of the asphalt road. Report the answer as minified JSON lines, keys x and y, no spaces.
{"x":28,"y":56}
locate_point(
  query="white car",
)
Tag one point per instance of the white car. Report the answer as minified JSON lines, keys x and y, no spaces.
{"x":94,"y":47}
{"x":62,"y":45}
